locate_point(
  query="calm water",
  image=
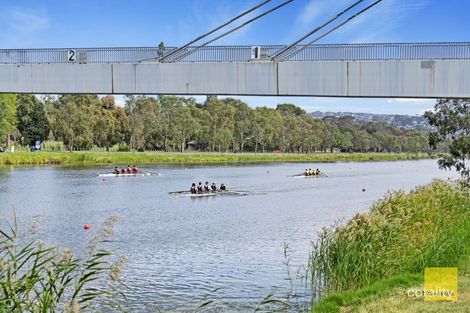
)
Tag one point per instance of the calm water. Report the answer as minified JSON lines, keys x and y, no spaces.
{"x":181,"y":249}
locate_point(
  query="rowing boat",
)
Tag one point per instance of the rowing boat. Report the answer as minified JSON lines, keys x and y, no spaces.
{"x":309,"y":176}
{"x":188,"y":194}
{"x":123,"y":175}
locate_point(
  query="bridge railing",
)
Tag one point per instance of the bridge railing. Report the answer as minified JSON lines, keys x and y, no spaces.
{"x":81,"y":55}
{"x":371,"y":52}
{"x":323,"y":52}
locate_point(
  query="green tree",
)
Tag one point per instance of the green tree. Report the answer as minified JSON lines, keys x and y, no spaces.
{"x":331,"y":137}
{"x":290,"y":135}
{"x":451,"y":117}
{"x":344,"y":140}
{"x":32,"y":120}
{"x":267,"y":127}
{"x":111,"y":125}
{"x":104,"y":124}
{"x":243,"y":128}
{"x":7,"y":116}
{"x":391,"y":143}
{"x":361,"y":141}
{"x":74,"y":120}
{"x":310,"y":132}
{"x":346,"y":123}
{"x":167,"y":115}
{"x":222,"y":124}
{"x":203,"y":120}
{"x":416,"y":143}
{"x":185,"y":127}
{"x":290,"y":109}
{"x":122,"y":133}
{"x":145,"y":129}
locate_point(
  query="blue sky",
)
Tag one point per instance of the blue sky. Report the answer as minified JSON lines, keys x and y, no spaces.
{"x":102,"y":23}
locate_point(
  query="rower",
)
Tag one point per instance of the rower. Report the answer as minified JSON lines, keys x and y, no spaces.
{"x":116,"y":170}
{"x":129,"y":169}
{"x":306,"y":172}
{"x":207,"y":188}
{"x":200,"y":188}
{"x":223,"y":187}
{"x":318,"y":172}
{"x":123,"y":171}
{"x":134,"y":169}
{"x":214,"y":187}
{"x":310,"y":172}
{"x":193,"y":188}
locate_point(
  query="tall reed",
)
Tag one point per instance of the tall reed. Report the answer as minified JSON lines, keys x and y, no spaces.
{"x":37,"y":278}
{"x":402,"y":233}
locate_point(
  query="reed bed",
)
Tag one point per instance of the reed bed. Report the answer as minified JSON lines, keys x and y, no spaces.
{"x":401,"y":235}
{"x":37,"y":278}
{"x":91,"y":158}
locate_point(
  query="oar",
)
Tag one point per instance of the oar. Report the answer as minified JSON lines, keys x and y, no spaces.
{"x":238,"y":193}
{"x":146,"y":173}
{"x":177,"y":192}
{"x":153,"y":173}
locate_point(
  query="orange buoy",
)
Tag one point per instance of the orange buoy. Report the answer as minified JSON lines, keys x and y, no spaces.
{"x":86,"y":227}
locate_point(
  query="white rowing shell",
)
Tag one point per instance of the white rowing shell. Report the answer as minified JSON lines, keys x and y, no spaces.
{"x":208,"y":194}
{"x":123,"y":175}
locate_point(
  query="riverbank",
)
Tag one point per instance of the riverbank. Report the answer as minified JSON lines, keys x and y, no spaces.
{"x":370,"y":262}
{"x":92,"y":158}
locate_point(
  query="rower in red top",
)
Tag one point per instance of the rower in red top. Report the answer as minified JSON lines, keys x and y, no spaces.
{"x":135,"y":170}
{"x":129,"y":169}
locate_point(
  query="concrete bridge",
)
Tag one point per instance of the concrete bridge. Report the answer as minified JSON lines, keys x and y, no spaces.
{"x":421,"y":70}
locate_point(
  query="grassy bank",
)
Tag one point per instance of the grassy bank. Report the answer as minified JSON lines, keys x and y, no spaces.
{"x":363,"y":264}
{"x":90,"y":158}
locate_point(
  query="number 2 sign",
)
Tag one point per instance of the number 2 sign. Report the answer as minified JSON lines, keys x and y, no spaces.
{"x":72,"y":56}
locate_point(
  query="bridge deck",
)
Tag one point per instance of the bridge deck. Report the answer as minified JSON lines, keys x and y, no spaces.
{"x":366,"y":70}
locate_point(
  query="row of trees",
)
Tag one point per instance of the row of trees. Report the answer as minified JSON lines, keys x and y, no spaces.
{"x":171,"y":123}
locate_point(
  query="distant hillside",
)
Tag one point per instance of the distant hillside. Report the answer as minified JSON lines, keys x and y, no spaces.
{"x":405,"y":121}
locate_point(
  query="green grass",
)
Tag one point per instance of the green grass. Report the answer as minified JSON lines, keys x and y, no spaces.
{"x":91,"y":158}
{"x":343,"y":301}
{"x":390,"y":296}
{"x":360,"y":263}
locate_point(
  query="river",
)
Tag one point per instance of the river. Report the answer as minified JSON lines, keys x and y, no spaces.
{"x":180,"y":249}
